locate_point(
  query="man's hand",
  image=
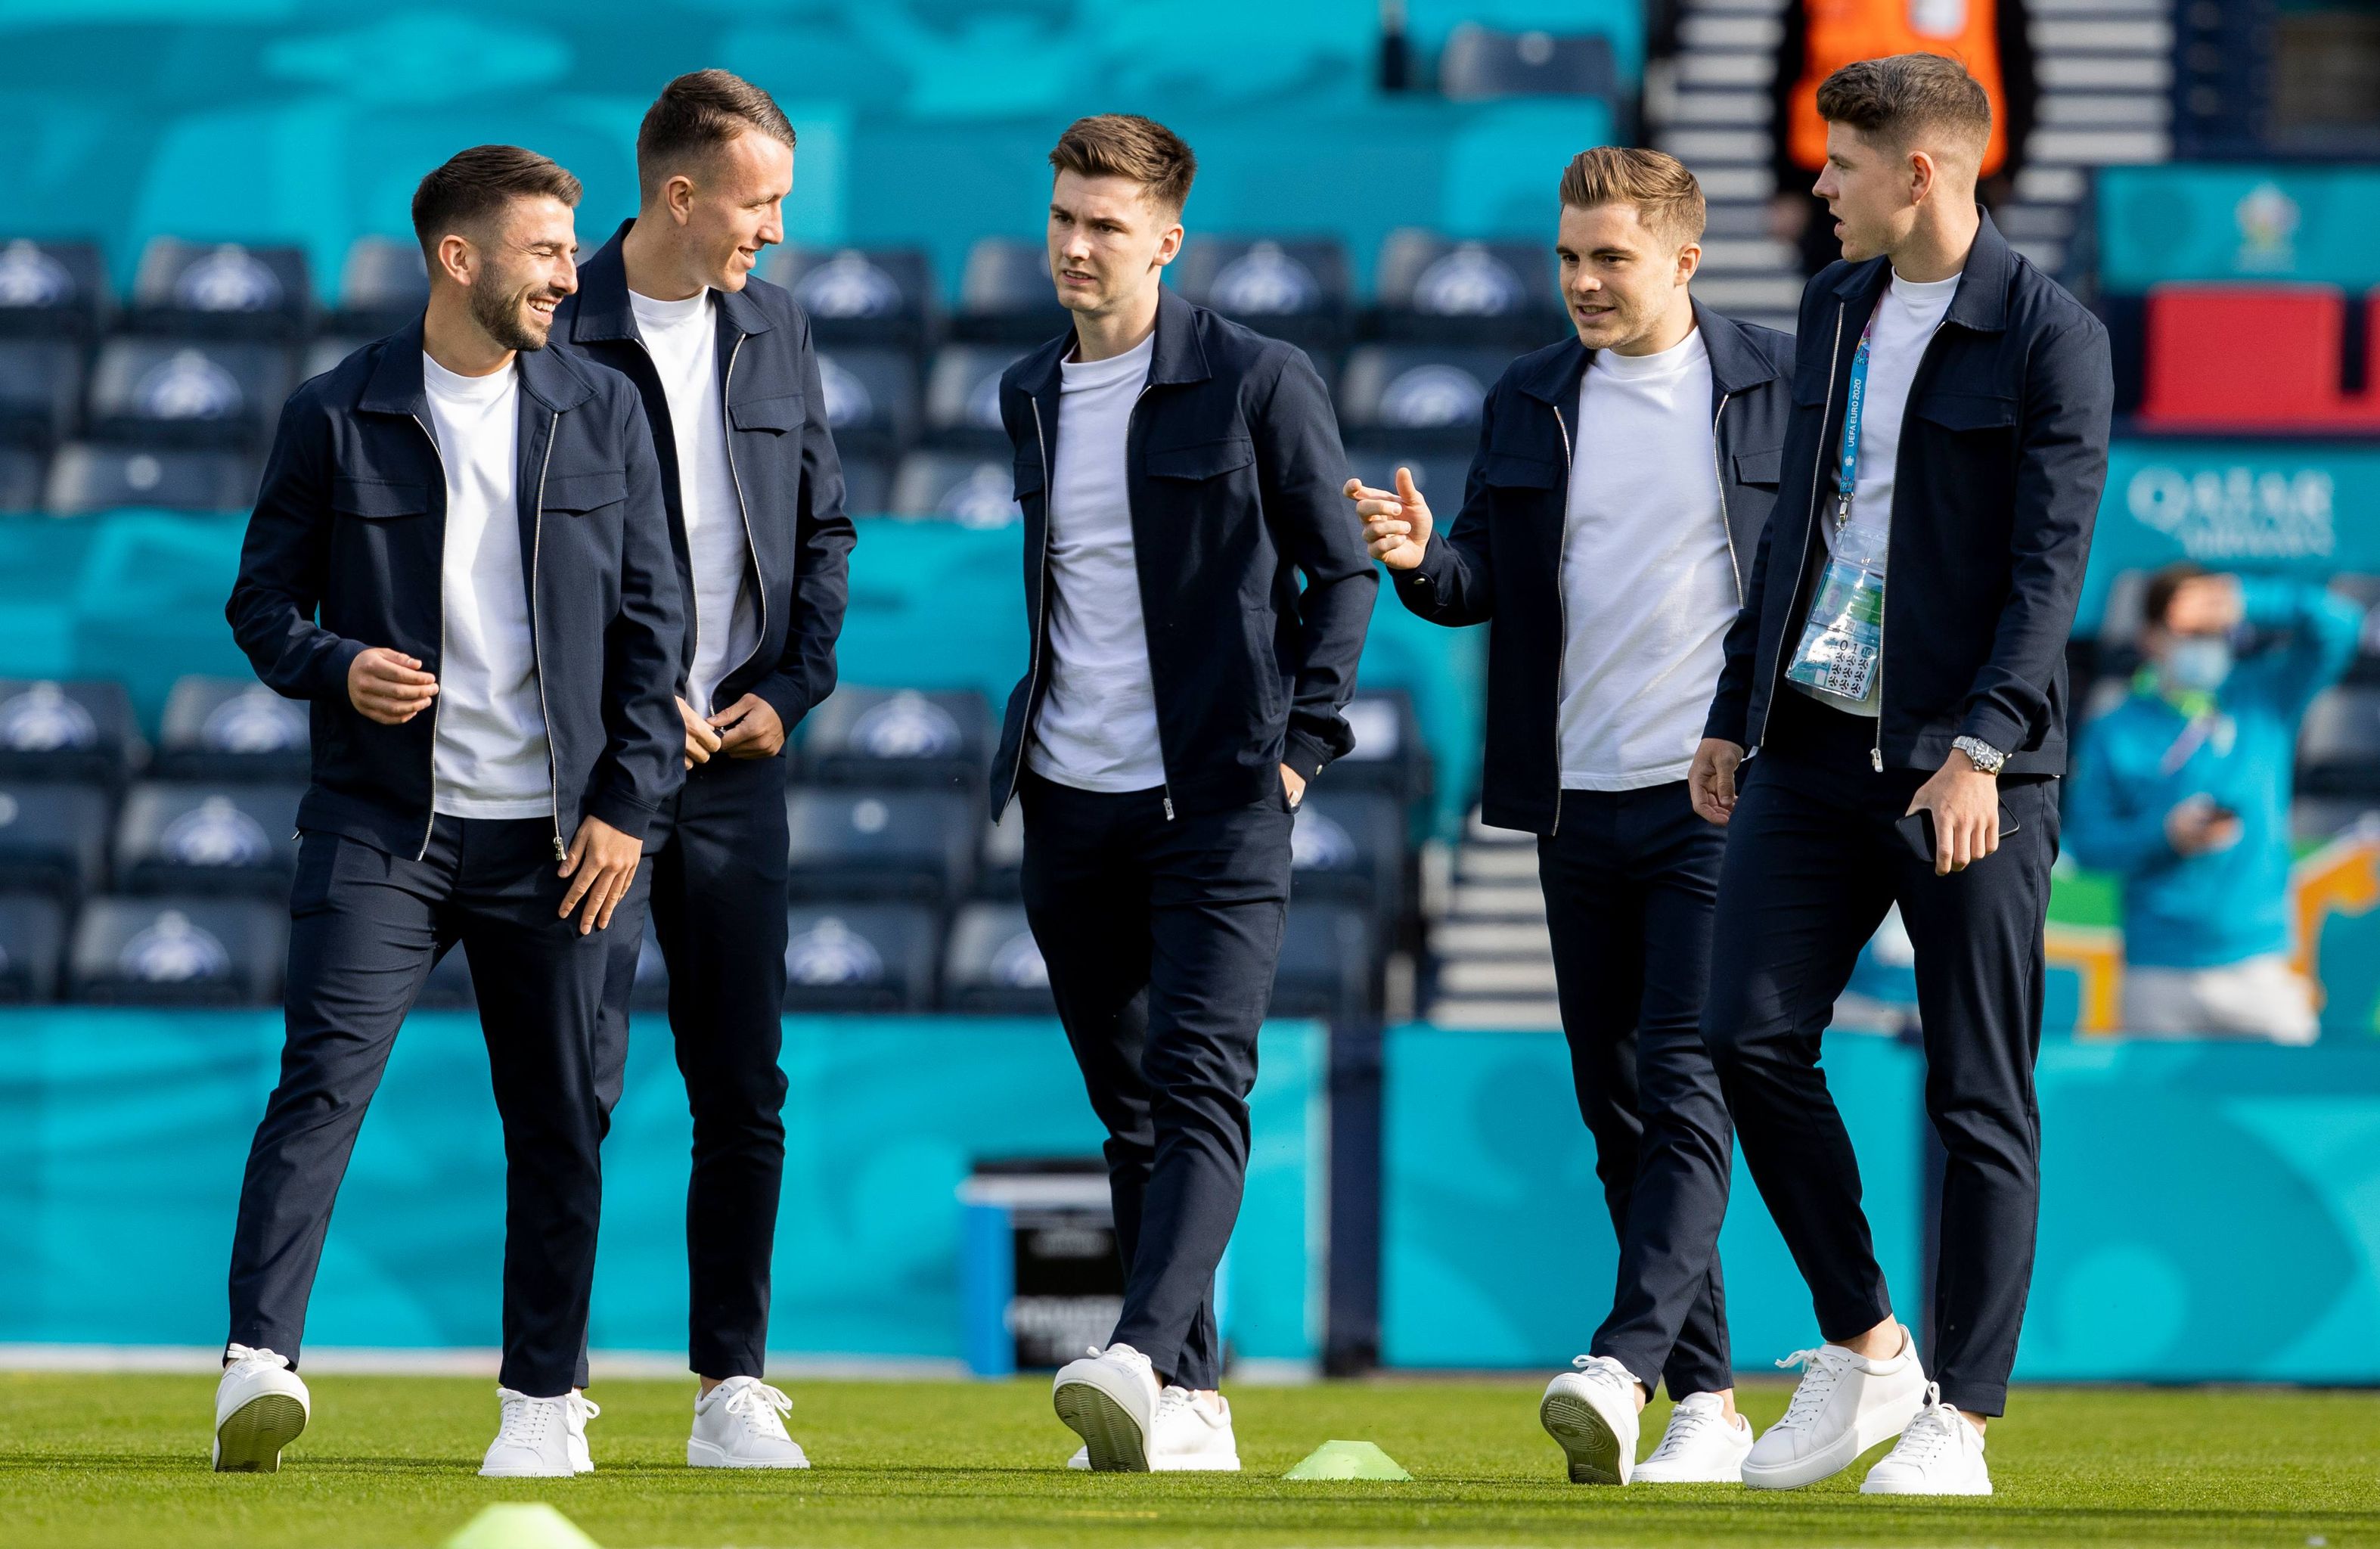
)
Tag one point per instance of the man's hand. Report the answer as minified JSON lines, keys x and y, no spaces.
{"x":701,"y":741}
{"x":2206,"y":605}
{"x":1396,"y":526}
{"x":1294,"y":784}
{"x":2197,"y":826}
{"x":1966,"y":806}
{"x":602,"y":863}
{"x":389,"y":687}
{"x":749,"y":730}
{"x":1710,"y":784}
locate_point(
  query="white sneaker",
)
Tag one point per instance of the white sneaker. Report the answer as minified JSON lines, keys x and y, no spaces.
{"x":1939,"y":1454}
{"x":261,"y":1406}
{"x":1699,"y":1447}
{"x":1081,"y":1460}
{"x":1845,"y":1404}
{"x":582,"y":1410}
{"x":1592,"y":1412}
{"x":1110,"y":1399}
{"x":533,"y":1442}
{"x":1193,"y":1436}
{"x":740,"y":1425}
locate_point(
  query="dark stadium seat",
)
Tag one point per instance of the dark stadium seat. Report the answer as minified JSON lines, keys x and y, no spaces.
{"x":81,"y":729}
{"x":383,"y":287}
{"x":963,"y":395}
{"x":2315,"y":820}
{"x":1349,"y":846}
{"x":971,"y":489}
{"x":179,"y":952}
{"x":184,"y":837}
{"x":1417,"y":393}
{"x":1298,"y":290}
{"x":52,"y":289}
{"x":866,"y":486}
{"x":1001,"y":872}
{"x":1006,"y":295}
{"x":232,"y":728}
{"x":2193,"y":376}
{"x":898,"y":737}
{"x":993,"y":964}
{"x":1328,"y":962}
{"x":881,"y":844}
{"x":221,"y":290}
{"x":861,"y":956}
{"x":871,"y":398}
{"x":1438,"y":471}
{"x":24,"y":474}
{"x":1388,"y":755}
{"x":1438,"y":290}
{"x":33,"y":947}
{"x":187,"y":392}
{"x":2338,"y":743}
{"x":52,"y":839}
{"x":1479,"y":63}
{"x":448,"y":987}
{"x":41,"y":385}
{"x":327,"y":351}
{"x":88,"y":477}
{"x":859,"y":295}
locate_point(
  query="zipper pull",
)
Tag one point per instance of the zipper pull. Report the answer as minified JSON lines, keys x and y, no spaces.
{"x":1169,"y":807}
{"x":562,"y":854}
{"x":1875,"y":757}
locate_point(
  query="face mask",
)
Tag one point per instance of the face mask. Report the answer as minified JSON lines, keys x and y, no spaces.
{"x":2198,"y":664}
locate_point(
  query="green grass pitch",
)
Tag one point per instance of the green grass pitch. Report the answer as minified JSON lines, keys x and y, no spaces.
{"x":122,"y":1461}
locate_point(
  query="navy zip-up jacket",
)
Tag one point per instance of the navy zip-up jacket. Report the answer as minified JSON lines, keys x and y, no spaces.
{"x":346,"y":550}
{"x":787,"y":475}
{"x":1234,"y":470}
{"x":1499,"y":561}
{"x":2003,"y":455}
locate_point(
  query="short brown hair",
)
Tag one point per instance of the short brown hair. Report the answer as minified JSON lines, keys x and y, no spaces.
{"x":474,"y":185}
{"x":696,"y":115}
{"x":1666,"y":195}
{"x":1126,"y":145}
{"x":2157,"y":599}
{"x":1898,"y":98}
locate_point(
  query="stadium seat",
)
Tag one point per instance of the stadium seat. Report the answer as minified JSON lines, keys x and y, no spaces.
{"x":327,"y":351}
{"x":40,"y":383}
{"x":1006,"y":295}
{"x":1001,"y":872}
{"x":232,"y":728}
{"x":1388,"y":755}
{"x":1327,"y":962}
{"x":881,"y":844}
{"x":1479,"y":63}
{"x":1349,"y":846}
{"x":179,"y":952}
{"x":872,"y":398}
{"x":1429,"y":396}
{"x":2338,"y":743}
{"x":179,"y":837}
{"x":77,"y":730}
{"x":383,"y":287}
{"x":2363,"y":590}
{"x":859,"y":295}
{"x":866,"y":486}
{"x":957,"y":487}
{"x":52,"y":839}
{"x":2197,"y":377}
{"x":1438,"y":290}
{"x":24,"y":473}
{"x":187,"y":392}
{"x":1438,"y":471}
{"x":860,"y":956}
{"x":32,"y":943}
{"x":1291,"y":288}
{"x":85,"y":477}
{"x":448,"y":987}
{"x":963,"y":395}
{"x":52,"y":289}
{"x":221,"y":290}
{"x":898,"y":737}
{"x":2315,"y":820}
{"x":993,"y":964}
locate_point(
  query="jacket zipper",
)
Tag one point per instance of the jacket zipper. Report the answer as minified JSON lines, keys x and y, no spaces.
{"x":1562,"y":605}
{"x":1884,"y":604}
{"x":537,"y":655}
{"x":1719,"y":470}
{"x":1165,"y":787}
{"x":1801,"y":571}
{"x":727,"y":435}
{"x":1040,"y":616}
{"x":431,"y":822}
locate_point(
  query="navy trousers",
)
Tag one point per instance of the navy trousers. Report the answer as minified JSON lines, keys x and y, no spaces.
{"x":714,"y":878}
{"x":365,"y":929}
{"x":1812,"y":863}
{"x":1630,"y":878}
{"x":1161,"y":936}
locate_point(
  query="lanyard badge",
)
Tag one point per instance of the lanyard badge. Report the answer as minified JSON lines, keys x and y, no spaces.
{"x":1842,"y":642}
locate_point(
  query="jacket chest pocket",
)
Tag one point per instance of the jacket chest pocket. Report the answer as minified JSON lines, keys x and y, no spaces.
{"x":378,"y":499}
{"x":1029,"y":483}
{"x":1201,"y":460}
{"x":584,"y":494}
{"x":1760,"y":470}
{"x":1968,"y":413}
{"x":779,"y":414}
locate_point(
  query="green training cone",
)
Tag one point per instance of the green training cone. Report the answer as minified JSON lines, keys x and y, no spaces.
{"x":1347,"y":1460}
{"x":520,"y":1525}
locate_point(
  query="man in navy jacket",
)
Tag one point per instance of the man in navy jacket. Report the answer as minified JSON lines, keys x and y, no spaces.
{"x":723,"y":364}
{"x":459,"y":558}
{"x":1899,"y":669}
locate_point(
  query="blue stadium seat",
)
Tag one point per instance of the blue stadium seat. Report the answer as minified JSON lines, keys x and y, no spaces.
{"x":24,"y":474}
{"x":52,"y":839}
{"x":2338,"y":743}
{"x":866,"y":486}
{"x":81,"y":729}
{"x":177,"y":837}
{"x":881,"y":844}
{"x":898,"y":737}
{"x":1480,"y":63}
{"x":1389,"y":754}
{"x":187,"y":392}
{"x":859,"y":295}
{"x":32,"y":945}
{"x":1422,"y":395}
{"x":54,"y":289}
{"x":1438,"y":290}
{"x":861,"y":956}
{"x":232,"y":728}
{"x":1006,"y":295}
{"x":963,"y":395}
{"x":328,"y":350}
{"x":179,"y":952}
{"x":87,"y":477}
{"x":221,"y":290}
{"x":1291,"y":288}
{"x":993,"y":964}
{"x":973,"y":491}
{"x":1328,"y":959}
{"x":383,"y":287}
{"x":448,"y":986}
{"x":41,"y":384}
{"x":1349,"y":846}
{"x":1438,"y":471}
{"x":871,"y":398}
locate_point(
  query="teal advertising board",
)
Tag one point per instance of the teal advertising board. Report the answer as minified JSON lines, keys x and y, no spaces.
{"x":2221,"y":222}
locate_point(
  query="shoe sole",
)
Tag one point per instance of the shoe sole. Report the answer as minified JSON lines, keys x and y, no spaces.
{"x":1114,"y":1438}
{"x":250,"y":1439}
{"x":1220,"y":1465}
{"x":1870,"y":1487}
{"x":702,"y":1455}
{"x":1877,"y":1429}
{"x":1638,"y":1476}
{"x":1586,"y":1441}
{"x":564,"y":1472}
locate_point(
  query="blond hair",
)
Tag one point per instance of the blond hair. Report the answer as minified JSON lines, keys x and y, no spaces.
{"x":1665,"y":196}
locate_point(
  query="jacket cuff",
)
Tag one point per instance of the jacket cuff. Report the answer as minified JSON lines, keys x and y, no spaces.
{"x":784,"y":696}
{"x":333,"y":665}
{"x":1993,"y":727}
{"x":1727,"y":721}
{"x":623,"y":812}
{"x":1304,"y":754}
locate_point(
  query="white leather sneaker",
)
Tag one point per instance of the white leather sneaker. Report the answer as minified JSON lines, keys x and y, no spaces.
{"x":1109,"y":1398}
{"x":1081,"y":1460}
{"x":1192,"y":1435}
{"x":1592,"y":1412}
{"x":533,"y":1439}
{"x":261,"y":1406}
{"x":740,"y":1424}
{"x":1699,"y":1447}
{"x":1938,"y":1453}
{"x":1844,"y":1404}
{"x":582,"y":1410}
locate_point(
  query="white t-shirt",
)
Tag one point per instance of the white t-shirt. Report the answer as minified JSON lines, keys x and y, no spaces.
{"x":489,"y":758}
{"x":1647,"y":575}
{"x":1098,"y":726}
{"x":682,"y":337}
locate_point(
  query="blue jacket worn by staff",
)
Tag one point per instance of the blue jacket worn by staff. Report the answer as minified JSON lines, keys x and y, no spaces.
{"x":1234,"y":470}
{"x":346,"y":550}
{"x":782,"y":455}
{"x":2146,"y":756}
{"x":1499,"y":560}
{"x":2003,"y":453}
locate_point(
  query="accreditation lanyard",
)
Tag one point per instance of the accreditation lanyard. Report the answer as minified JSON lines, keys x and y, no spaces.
{"x":1847,"y":474}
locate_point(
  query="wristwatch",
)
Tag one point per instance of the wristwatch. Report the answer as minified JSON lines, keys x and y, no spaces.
{"x":1980,"y":753}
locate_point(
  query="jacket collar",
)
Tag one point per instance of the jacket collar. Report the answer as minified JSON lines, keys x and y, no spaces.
{"x":1981,"y":301}
{"x":1179,"y":356}
{"x":602,"y":310}
{"x":1735,"y":364}
{"x":394,"y":386}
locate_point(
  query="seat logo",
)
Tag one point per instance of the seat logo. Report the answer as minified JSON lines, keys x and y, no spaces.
{"x":908,"y":726}
{"x":186,"y":386}
{"x":848,"y":401}
{"x":30,"y":278}
{"x":985,"y":497}
{"x":172,"y":951}
{"x":1265,"y":281}
{"x":1319,"y":843}
{"x":1469,"y":282}
{"x":1427,"y":397}
{"x":831,"y":953}
{"x":42,"y":720}
{"x":215,"y":832}
{"x":848,"y":285}
{"x":1018,"y":966}
{"x":255,"y":720}
{"x":228,"y":279}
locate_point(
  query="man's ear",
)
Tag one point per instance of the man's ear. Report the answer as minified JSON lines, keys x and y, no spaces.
{"x":1169,"y":247}
{"x":1925,"y":172}
{"x":456,"y":258}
